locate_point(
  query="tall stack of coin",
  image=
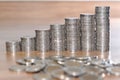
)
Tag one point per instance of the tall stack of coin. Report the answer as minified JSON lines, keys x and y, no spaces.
{"x":42,"y":40}
{"x":27,"y":44}
{"x":12,"y":47}
{"x":58,"y":38}
{"x":87,"y":24}
{"x":73,"y":34}
{"x":102,"y":28}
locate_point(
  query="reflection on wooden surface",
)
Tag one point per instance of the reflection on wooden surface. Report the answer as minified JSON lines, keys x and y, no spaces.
{"x":8,"y":60}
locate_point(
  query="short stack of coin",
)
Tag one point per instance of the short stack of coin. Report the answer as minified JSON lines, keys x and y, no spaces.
{"x":42,"y":40}
{"x":12,"y":47}
{"x":73,"y":34}
{"x":27,"y":44}
{"x":58,"y":38}
{"x":88,"y":34}
{"x":102,"y":27}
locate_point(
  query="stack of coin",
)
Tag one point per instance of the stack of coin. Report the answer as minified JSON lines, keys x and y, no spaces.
{"x":102,"y":27}
{"x":42,"y":40}
{"x":12,"y":47}
{"x":88,"y":34}
{"x":58,"y":38}
{"x":73,"y":34}
{"x":27,"y":44}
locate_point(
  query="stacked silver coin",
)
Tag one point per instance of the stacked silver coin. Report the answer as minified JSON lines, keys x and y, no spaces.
{"x":88,"y":34}
{"x":12,"y":47}
{"x":73,"y":34}
{"x":58,"y":41}
{"x":42,"y":40}
{"x":102,"y":27}
{"x":27,"y":44}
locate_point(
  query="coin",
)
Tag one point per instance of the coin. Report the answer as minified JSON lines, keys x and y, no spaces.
{"x":72,"y":34}
{"x":35,"y":68}
{"x":27,"y":44}
{"x":74,"y":71}
{"x":102,"y":27}
{"x":88,"y":33}
{"x":52,"y":67}
{"x":42,"y":40}
{"x":59,"y":75}
{"x":12,"y":47}
{"x":114,"y":70}
{"x":42,"y":76}
{"x":17,"y":68}
{"x":91,"y":76}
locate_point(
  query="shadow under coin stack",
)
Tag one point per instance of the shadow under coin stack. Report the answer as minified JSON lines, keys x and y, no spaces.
{"x":73,"y":35}
{"x":58,"y":38}
{"x":102,"y":28}
{"x":27,"y":45}
{"x":42,"y":40}
{"x":87,"y":24}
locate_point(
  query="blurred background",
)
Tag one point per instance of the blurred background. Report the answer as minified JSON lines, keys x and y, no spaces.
{"x":22,"y":18}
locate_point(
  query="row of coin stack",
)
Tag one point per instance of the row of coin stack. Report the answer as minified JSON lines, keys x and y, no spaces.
{"x":89,"y":33}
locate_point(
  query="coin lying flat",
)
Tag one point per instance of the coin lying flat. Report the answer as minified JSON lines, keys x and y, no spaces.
{"x":59,"y":59}
{"x":101,"y":63}
{"x":94,"y":69}
{"x":59,"y":75}
{"x":91,"y":76}
{"x":115,"y":70}
{"x":74,"y":71}
{"x":52,"y":67}
{"x":17,"y":68}
{"x":42,"y":76}
{"x":27,"y":61}
{"x":73,"y":62}
{"x":23,"y":62}
{"x":35,"y":68}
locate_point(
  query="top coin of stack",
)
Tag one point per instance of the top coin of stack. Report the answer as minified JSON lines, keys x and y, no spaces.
{"x":73,"y":34}
{"x":102,"y":27}
{"x":58,"y":37}
{"x":87,"y":24}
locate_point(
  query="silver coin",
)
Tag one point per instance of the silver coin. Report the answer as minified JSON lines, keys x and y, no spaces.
{"x":91,"y":76}
{"x":52,"y":67}
{"x":114,"y":70}
{"x":35,"y":68}
{"x":101,"y":63}
{"x":27,"y":44}
{"x":102,"y":28}
{"x":88,"y":33}
{"x":12,"y":47}
{"x":27,"y":61}
{"x":74,"y":71}
{"x":73,"y":62}
{"x":17,"y":68}
{"x":94,"y":69}
{"x":42,"y":40}
{"x":60,"y":75}
{"x":59,"y":59}
{"x":42,"y":76}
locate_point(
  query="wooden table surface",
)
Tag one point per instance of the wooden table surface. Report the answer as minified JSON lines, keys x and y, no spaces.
{"x":7,"y":60}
